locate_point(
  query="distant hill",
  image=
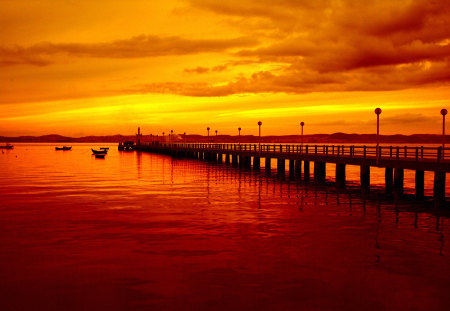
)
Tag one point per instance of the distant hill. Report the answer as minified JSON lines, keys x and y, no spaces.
{"x":316,"y":138}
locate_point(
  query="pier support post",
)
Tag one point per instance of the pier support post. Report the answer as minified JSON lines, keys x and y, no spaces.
{"x":365,"y":178}
{"x":267,"y":165}
{"x":306,"y":170}
{"x":340,"y":175}
{"x":420,"y":184}
{"x":234,"y":159}
{"x":319,"y":171}
{"x":389,"y":180}
{"x":256,"y":163}
{"x":291,"y":168}
{"x":281,"y":166}
{"x":398,"y":181}
{"x":219,"y":158}
{"x":248,"y":162}
{"x":298,"y":169}
{"x":439,"y":188}
{"x":227,"y":158}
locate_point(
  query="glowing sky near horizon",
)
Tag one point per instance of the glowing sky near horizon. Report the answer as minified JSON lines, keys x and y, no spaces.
{"x":81,"y":68}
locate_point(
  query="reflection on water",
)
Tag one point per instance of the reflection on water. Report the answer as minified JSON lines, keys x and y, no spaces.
{"x":142,"y":231}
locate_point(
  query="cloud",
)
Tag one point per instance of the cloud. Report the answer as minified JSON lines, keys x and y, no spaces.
{"x":137,"y":47}
{"x":199,"y":70}
{"x":338,"y":46}
{"x":286,"y":46}
{"x":300,"y":80}
{"x":410,"y":118}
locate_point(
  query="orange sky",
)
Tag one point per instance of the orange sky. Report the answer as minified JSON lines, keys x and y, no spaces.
{"x":105,"y":67}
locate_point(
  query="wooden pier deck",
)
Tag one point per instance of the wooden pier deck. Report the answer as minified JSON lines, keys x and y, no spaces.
{"x":395,"y":159}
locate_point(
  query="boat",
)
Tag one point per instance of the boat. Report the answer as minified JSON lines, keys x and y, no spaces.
{"x":100,"y":156}
{"x":7,"y":146}
{"x":65,"y":148}
{"x":99,"y":151}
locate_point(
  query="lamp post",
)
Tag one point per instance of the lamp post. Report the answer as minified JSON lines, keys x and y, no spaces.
{"x":239,"y":139}
{"x":302,"y":124}
{"x":171,"y":135}
{"x":378,"y":112}
{"x":184,"y":137}
{"x":208,"y":133}
{"x":443,"y":113}
{"x":259,"y":143}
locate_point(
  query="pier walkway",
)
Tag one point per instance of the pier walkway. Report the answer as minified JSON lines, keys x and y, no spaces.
{"x":394,"y":159}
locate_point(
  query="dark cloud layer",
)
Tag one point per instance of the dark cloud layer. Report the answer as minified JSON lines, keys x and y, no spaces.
{"x":142,"y":46}
{"x":339,"y":46}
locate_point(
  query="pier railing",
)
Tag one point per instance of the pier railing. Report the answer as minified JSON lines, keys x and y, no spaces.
{"x":360,"y":151}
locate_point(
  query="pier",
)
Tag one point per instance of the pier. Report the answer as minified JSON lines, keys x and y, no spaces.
{"x":394,"y":159}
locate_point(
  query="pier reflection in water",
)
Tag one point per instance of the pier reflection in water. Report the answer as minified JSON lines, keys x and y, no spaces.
{"x":143,"y":231}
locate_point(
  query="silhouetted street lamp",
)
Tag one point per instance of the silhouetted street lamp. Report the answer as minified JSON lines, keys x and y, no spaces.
{"x":302,"y":124}
{"x":378,"y":112}
{"x":184,"y":137}
{"x":259,"y":144}
{"x":208,"y":133}
{"x":443,"y":113}
{"x":239,"y":139}
{"x":171,"y":135}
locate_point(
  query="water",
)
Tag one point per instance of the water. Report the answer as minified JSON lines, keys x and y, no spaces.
{"x":149,"y":232}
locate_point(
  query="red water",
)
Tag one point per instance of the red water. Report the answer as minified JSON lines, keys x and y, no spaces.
{"x":148,"y":232}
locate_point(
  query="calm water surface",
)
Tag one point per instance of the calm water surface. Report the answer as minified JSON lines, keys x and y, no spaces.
{"x":149,"y":232}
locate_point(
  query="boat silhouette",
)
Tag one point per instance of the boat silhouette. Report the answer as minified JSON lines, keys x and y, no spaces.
{"x":7,"y":146}
{"x":65,"y":148}
{"x":99,"y":151}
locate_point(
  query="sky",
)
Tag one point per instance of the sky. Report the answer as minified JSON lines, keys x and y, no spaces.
{"x":78,"y":68}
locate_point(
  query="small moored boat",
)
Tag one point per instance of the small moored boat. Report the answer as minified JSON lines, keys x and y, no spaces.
{"x":100,"y":156}
{"x":7,"y":146}
{"x":99,"y":151}
{"x":65,"y":148}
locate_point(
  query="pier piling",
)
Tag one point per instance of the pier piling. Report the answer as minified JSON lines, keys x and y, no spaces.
{"x":306,"y":167}
{"x":340,"y":175}
{"x":389,"y":180}
{"x":398,"y":181}
{"x":281,"y":166}
{"x":291,"y":168}
{"x":420,"y":184}
{"x":319,"y":171}
{"x":439,"y":187}
{"x":256,"y":163}
{"x":298,"y":169}
{"x":267,"y":165}
{"x":365,"y":178}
